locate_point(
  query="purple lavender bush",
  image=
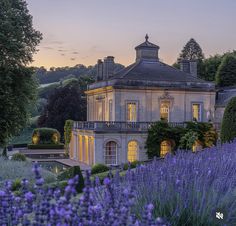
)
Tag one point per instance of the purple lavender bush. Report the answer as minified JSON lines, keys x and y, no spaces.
{"x":188,"y":188}
{"x":184,"y":189}
{"x":51,"y":206}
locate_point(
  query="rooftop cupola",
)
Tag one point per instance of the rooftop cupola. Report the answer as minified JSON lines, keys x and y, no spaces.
{"x":147,"y":51}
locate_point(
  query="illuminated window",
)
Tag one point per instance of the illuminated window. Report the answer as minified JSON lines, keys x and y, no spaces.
{"x":164,"y":111}
{"x":132,"y":151}
{"x":131,"y":112}
{"x":165,"y":147}
{"x":196,"y":112}
{"x":110,"y":110}
{"x":100,"y":111}
{"x":196,"y":146}
{"x":111,"y":153}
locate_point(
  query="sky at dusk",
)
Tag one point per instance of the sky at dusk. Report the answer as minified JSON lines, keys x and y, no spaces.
{"x":80,"y":32}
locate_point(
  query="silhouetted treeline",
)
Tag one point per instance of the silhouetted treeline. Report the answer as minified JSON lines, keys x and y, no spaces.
{"x":56,"y":74}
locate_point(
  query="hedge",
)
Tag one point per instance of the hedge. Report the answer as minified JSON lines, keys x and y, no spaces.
{"x":46,"y":146}
{"x":45,"y":136}
{"x":228,"y":128}
{"x":99,"y":168}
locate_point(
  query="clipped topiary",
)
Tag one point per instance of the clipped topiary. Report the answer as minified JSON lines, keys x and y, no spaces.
{"x":70,"y":173}
{"x":228,"y":128}
{"x":99,"y":168}
{"x":45,"y":136}
{"x":18,"y":157}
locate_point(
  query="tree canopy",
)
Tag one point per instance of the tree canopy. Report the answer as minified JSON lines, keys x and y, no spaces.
{"x":191,"y":51}
{"x":228,"y":128}
{"x":226,"y":72}
{"x":18,"y":42}
{"x":18,"y":39}
{"x":67,"y":102}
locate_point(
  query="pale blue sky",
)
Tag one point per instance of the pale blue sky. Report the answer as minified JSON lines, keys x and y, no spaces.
{"x":80,"y":32}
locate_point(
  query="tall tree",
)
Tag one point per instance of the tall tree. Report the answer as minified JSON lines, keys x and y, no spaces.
{"x":191,"y":51}
{"x":65,"y":103}
{"x":228,"y":128}
{"x":18,"y":42}
{"x":226,"y":73}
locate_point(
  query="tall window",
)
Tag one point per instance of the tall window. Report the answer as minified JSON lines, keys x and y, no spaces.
{"x":132,"y":151}
{"x":110,"y":110}
{"x":132,"y":112}
{"x":100,"y":110}
{"x":165,"y":147}
{"x":111,"y":153}
{"x":164,"y":111}
{"x":196,"y":112}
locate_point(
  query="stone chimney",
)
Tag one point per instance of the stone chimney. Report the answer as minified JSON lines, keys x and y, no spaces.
{"x":99,"y":70}
{"x":189,"y":66}
{"x":108,"y":67}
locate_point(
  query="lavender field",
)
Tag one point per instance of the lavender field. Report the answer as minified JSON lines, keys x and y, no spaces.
{"x":183,"y":189}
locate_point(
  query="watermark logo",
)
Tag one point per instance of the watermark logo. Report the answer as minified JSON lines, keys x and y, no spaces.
{"x":219,"y":215}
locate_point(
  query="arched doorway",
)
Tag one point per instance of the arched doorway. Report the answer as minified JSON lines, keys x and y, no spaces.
{"x":110,"y":156}
{"x":165,"y":147}
{"x":132,"y":154}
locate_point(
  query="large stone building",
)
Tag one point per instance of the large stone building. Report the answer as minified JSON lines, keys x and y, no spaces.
{"x":122,"y":106}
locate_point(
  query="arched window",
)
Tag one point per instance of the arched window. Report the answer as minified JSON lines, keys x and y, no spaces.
{"x":165,"y":147}
{"x":111,"y":153}
{"x":132,"y":151}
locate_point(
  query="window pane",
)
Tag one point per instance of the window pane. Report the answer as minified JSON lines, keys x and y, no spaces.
{"x":132,"y":151}
{"x":132,"y":112}
{"x":165,"y":148}
{"x":111,"y":153}
{"x":164,"y":111}
{"x":196,"y":112}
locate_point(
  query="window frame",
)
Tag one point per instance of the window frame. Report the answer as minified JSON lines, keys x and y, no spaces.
{"x":169,"y":104}
{"x":111,"y":156}
{"x":136,"y":102}
{"x":201,"y":110}
{"x":137,"y":150}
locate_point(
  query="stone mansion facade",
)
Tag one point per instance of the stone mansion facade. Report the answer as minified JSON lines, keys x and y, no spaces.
{"x":121,"y":106}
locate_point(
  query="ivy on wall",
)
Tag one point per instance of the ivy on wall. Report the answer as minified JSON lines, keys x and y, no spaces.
{"x":179,"y":137}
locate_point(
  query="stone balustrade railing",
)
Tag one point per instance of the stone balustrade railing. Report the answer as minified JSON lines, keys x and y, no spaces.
{"x":119,"y":126}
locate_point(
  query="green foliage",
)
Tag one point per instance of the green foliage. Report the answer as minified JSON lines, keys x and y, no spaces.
{"x":16,"y":185}
{"x":18,"y":37}
{"x":65,"y":103}
{"x":45,"y":136}
{"x":46,"y":146}
{"x":226,"y":73}
{"x":99,"y":168}
{"x":191,"y":51}
{"x":131,"y":165}
{"x":18,"y":157}
{"x":67,"y":134}
{"x":159,"y":132}
{"x":179,"y":136}
{"x":210,"y":66}
{"x":228,"y":128}
{"x":4,"y":152}
{"x":187,"y":141}
{"x":24,"y":137}
{"x":206,"y":133}
{"x":70,"y":173}
{"x":18,"y":44}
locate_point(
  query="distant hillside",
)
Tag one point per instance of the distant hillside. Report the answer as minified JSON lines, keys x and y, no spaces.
{"x":57,"y":74}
